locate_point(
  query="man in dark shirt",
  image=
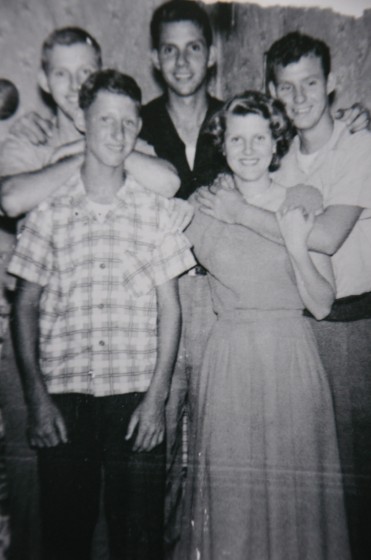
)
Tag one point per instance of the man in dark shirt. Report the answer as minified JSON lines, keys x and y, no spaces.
{"x":160,"y":131}
{"x":183,"y":55}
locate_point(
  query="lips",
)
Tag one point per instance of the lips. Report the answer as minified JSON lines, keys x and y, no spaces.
{"x":117,"y":148}
{"x":248,"y":162}
{"x":303,"y":111}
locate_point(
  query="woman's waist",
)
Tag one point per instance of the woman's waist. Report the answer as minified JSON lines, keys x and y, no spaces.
{"x":257,"y":314}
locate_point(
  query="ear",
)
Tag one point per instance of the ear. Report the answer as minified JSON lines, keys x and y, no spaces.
{"x":331,"y":83}
{"x":42,"y":80}
{"x":155,"y":59}
{"x":79,"y":120}
{"x":140,"y":122}
{"x":212,"y":56}
{"x":272,"y":90}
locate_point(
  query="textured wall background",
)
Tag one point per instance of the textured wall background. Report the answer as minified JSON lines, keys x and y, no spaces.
{"x":244,"y":32}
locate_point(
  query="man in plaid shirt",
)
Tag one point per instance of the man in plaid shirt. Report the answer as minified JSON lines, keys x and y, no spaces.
{"x":96,"y":327}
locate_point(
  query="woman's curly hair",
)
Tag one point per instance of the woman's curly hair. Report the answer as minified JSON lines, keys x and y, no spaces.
{"x":255,"y":103}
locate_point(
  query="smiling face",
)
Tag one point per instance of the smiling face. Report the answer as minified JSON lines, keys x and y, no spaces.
{"x":68,"y":68}
{"x":112,"y":124}
{"x":304,"y":89}
{"x":183,"y":57}
{"x":248,"y":146}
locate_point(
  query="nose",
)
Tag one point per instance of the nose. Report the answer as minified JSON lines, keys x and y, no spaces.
{"x":299,"y":94}
{"x":248,"y":146}
{"x":118,"y":131}
{"x":75,"y":83}
{"x":181,"y":59}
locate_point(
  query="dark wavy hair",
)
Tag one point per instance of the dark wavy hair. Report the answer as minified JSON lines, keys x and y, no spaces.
{"x":255,"y":103}
{"x":112,"y":81}
{"x":291,"y":48}
{"x":182,"y":10}
{"x":67,"y":36}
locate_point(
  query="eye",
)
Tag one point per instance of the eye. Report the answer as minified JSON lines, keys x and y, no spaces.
{"x":260,"y":137}
{"x":129,"y":123}
{"x":167,"y":50}
{"x":86,"y":71}
{"x":312,"y":82}
{"x":105,"y":119}
{"x":195,"y":47}
{"x":59,"y":73}
{"x":235,"y":139}
{"x":284,"y":88}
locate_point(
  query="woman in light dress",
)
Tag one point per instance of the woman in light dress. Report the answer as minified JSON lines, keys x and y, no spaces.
{"x":264,"y":480}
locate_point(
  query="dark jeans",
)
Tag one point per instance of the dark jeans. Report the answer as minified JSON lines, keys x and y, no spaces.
{"x":70,"y":482}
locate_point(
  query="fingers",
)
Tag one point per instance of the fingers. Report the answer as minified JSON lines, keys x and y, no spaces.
{"x":35,"y":128}
{"x":134,"y":420}
{"x":148,"y":437}
{"x":61,"y":430}
{"x":181,"y":214}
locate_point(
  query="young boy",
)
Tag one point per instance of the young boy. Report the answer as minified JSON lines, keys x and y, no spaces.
{"x":325,"y":155}
{"x":96,"y":328}
{"x":31,"y":171}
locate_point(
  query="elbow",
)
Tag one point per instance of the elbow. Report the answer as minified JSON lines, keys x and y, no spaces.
{"x":321,"y":313}
{"x":173,"y":184}
{"x":331,"y":244}
{"x":9,"y":203}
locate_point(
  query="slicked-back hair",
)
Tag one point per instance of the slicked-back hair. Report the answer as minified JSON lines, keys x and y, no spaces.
{"x":112,"y":81}
{"x":67,"y":36}
{"x":291,"y":48}
{"x":255,"y":103}
{"x":176,"y":11}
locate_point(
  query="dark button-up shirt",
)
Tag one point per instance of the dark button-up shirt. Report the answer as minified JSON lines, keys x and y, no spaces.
{"x":159,"y":130}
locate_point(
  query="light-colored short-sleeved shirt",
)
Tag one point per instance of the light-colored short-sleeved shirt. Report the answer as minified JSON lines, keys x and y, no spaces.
{"x":341,"y":170}
{"x":19,"y":155}
{"x":98,"y":309}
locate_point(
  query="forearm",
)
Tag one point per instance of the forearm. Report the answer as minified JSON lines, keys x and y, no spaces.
{"x":21,"y":193}
{"x":261,"y":221}
{"x":169,"y":324}
{"x":25,"y":329}
{"x":153,"y":173}
{"x":315,"y":290}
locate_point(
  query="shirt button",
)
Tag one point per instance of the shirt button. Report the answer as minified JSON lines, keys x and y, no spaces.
{"x":102,"y":343}
{"x":102,"y":265}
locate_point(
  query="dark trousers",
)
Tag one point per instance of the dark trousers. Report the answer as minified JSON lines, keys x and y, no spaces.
{"x":345,"y":349}
{"x":70,"y":483}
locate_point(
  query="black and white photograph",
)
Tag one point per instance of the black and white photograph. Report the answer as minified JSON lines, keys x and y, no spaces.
{"x":185,"y":280}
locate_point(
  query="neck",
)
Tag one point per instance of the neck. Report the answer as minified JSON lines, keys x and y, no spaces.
{"x":312,"y":140}
{"x":101,"y":181}
{"x":251,"y":189}
{"x":67,"y":129}
{"x":191,"y":108}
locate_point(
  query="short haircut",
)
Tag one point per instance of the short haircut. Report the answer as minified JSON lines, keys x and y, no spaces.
{"x":180,"y":10}
{"x":291,"y":48}
{"x":67,"y":36}
{"x":255,"y":103}
{"x":112,"y":81}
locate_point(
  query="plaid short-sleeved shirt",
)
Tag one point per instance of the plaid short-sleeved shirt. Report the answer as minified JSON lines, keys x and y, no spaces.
{"x":98,"y":309}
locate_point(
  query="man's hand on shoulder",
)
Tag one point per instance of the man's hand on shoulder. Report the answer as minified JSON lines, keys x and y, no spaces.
{"x":34,"y":127}
{"x":357,"y":117}
{"x":69,"y":149}
{"x":222,"y":200}
{"x":147,"y":424}
{"x":46,"y":426}
{"x":181,"y":215}
{"x":307,"y":198}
